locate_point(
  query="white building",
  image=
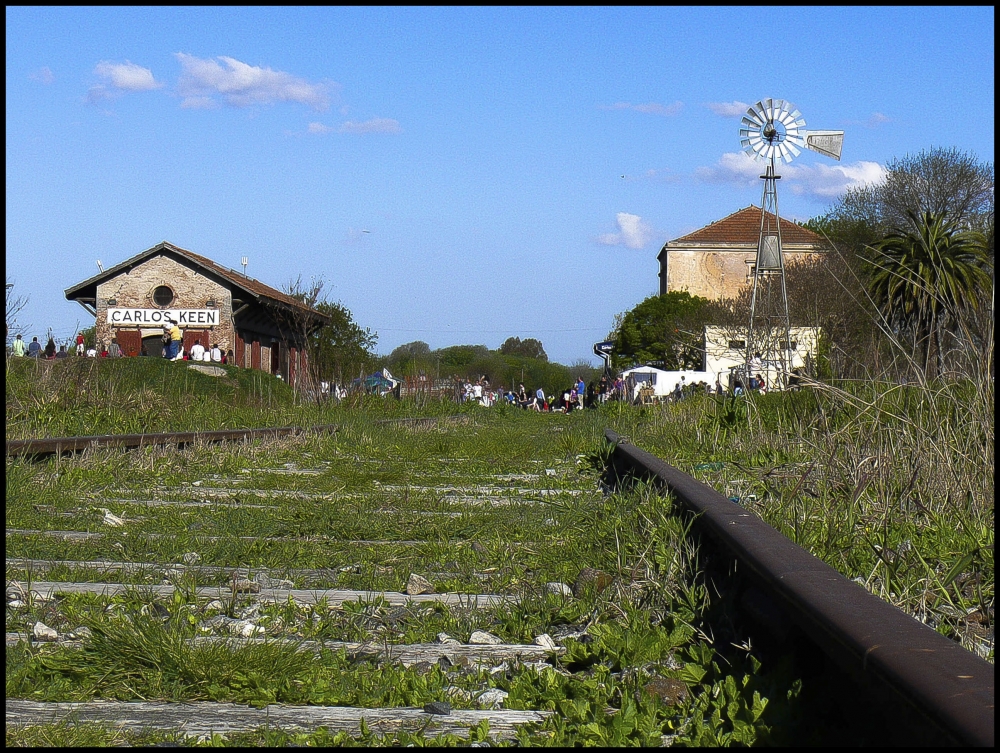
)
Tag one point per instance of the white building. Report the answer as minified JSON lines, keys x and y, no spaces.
{"x":725,"y":349}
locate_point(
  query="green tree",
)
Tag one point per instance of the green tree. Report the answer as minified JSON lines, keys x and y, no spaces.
{"x":664,"y":330}
{"x":921,"y":277}
{"x":342,"y":348}
{"x":337,"y":351}
{"x":944,"y":182}
{"x":529,"y":348}
{"x":410,"y":359}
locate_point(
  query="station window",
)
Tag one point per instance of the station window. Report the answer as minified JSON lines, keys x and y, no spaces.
{"x":163,"y":296}
{"x":737,"y":344}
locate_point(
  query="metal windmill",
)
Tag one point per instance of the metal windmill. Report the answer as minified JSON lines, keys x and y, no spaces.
{"x":773,"y":130}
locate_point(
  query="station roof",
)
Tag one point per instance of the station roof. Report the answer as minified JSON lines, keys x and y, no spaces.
{"x":87,"y":290}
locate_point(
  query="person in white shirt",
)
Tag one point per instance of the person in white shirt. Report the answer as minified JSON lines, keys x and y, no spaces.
{"x":197,"y":351}
{"x":216,"y":353}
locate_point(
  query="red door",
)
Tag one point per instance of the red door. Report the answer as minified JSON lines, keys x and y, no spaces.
{"x":129,"y":340}
{"x":192,"y":336}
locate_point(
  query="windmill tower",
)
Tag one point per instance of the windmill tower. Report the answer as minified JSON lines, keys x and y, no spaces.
{"x":773,"y":130}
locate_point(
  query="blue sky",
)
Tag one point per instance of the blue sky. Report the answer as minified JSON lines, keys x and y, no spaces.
{"x":456,"y":175}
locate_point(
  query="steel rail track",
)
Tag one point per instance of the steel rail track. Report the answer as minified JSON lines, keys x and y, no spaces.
{"x":68,"y":445}
{"x":867,"y":637}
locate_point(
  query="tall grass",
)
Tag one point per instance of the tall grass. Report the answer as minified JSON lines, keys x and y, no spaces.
{"x":891,"y":484}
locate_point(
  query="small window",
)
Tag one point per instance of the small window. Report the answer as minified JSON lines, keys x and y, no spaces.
{"x":163,"y":296}
{"x":737,"y":344}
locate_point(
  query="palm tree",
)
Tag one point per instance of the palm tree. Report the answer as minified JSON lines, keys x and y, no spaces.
{"x":923,"y":275}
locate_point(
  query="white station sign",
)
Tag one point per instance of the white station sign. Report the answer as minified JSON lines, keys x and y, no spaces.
{"x":146,"y":317}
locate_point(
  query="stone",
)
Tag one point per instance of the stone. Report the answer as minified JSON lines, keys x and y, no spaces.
{"x":458,"y":694}
{"x":43,"y":632}
{"x":110,"y":519}
{"x":565,"y":632}
{"x":244,"y":586}
{"x":591,"y":578}
{"x":559,"y":589}
{"x":482,"y":638}
{"x":417,"y":584}
{"x":492,"y":698}
{"x":478,"y":548}
{"x":445,"y":638}
{"x":266,"y":581}
{"x":213,"y":371}
{"x":667,"y":689}
{"x":191,"y":558}
{"x":437,"y":707}
{"x":82,"y":632}
{"x":245,"y":628}
{"x":545,"y":640}
{"x":15,"y":591}
{"x":214,"y":606}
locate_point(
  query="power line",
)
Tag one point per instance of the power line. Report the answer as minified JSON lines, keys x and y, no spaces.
{"x":487,"y":331}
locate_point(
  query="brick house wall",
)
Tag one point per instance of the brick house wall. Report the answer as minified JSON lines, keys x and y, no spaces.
{"x":134,"y":289}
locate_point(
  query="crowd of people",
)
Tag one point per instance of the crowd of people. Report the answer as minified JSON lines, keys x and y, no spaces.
{"x":576,"y":396}
{"x":50,"y":352}
{"x":172,"y":339}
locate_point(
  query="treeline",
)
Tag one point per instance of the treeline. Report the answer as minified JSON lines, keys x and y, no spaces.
{"x":515,"y":362}
{"x":907,"y":292}
{"x":343,"y":351}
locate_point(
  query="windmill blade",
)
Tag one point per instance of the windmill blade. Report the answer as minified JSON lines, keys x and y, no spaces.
{"x":758,"y":112}
{"x":791,"y":121}
{"x":827,"y":143}
{"x":794,"y":149}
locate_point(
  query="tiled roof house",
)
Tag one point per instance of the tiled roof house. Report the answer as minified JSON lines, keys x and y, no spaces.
{"x":717,"y":260}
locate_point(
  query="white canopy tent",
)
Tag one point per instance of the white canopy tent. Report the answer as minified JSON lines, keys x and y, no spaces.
{"x":664,"y":382}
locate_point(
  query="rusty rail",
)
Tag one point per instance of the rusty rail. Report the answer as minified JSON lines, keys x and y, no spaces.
{"x":67,"y":445}
{"x":869,"y":638}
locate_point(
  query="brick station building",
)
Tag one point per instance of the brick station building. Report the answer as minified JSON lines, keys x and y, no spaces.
{"x":262,"y":327}
{"x":718,"y":260}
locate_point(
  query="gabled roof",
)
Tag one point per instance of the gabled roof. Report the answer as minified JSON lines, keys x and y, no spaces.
{"x":257,"y":289}
{"x":743,"y":227}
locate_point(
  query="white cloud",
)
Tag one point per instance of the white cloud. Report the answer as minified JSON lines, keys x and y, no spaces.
{"x":650,"y":108}
{"x":374,"y":125}
{"x":878,"y":119}
{"x":43,"y":75}
{"x":242,"y":85}
{"x":734,"y":109}
{"x":632,"y":232}
{"x":199,"y":103}
{"x":733,"y":168}
{"x":819,"y":180}
{"x":127,"y":76}
{"x":319,"y":128}
{"x":830,"y":181}
{"x":120,"y":78}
